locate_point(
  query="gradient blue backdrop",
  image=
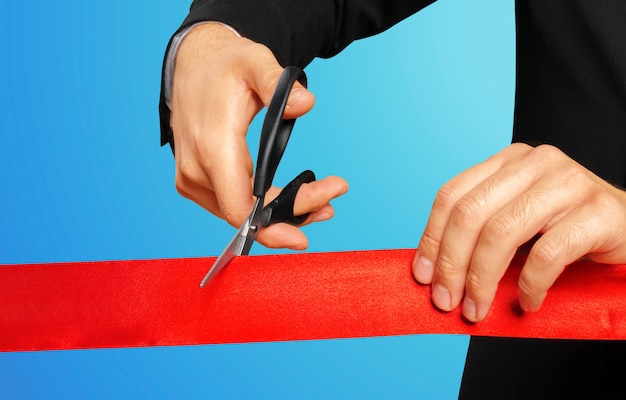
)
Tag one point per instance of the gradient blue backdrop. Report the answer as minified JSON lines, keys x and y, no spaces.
{"x":82,"y":177}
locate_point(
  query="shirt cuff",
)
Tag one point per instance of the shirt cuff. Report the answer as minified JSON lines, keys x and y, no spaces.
{"x":170,"y":58}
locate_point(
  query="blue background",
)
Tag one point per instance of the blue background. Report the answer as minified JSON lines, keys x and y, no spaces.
{"x":82,"y":177}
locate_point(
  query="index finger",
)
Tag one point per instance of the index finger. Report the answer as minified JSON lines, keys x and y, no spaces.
{"x":445,"y":202}
{"x":230,"y":174}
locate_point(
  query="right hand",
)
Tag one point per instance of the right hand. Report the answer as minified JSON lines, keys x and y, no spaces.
{"x":221,"y":81}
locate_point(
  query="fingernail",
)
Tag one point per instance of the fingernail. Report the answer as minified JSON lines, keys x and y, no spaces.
{"x":322,"y":217}
{"x":441,"y":297}
{"x":423,"y":270}
{"x":469,"y":309}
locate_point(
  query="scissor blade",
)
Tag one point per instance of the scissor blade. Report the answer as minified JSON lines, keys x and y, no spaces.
{"x":241,"y":243}
{"x":234,"y":248}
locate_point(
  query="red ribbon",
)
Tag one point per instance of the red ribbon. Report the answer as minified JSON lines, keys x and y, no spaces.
{"x":279,"y":298}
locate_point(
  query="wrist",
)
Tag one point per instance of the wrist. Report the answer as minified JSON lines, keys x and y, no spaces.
{"x":197,"y":34}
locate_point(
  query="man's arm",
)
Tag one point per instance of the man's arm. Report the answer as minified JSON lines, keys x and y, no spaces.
{"x":295,"y":31}
{"x":221,"y":81}
{"x":298,"y":31}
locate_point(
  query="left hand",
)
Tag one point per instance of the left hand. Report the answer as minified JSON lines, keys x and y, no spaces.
{"x":483,"y":215}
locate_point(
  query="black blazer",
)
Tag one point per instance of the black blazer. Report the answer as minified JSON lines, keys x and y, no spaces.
{"x":297,"y":31}
{"x":571,"y":61}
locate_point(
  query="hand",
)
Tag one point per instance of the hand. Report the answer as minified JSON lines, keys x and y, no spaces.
{"x":483,"y":215}
{"x":220,"y":83}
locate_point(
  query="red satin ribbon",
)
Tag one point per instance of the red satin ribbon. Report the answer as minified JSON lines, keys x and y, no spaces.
{"x":278,"y":298}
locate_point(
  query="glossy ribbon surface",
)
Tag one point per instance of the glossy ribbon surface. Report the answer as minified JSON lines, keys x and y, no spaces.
{"x":109,"y":304}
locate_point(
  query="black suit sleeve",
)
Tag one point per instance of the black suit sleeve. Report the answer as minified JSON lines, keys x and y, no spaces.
{"x":297,"y":31}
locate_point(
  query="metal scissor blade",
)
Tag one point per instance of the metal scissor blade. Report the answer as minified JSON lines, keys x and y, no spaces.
{"x":241,"y":243}
{"x":234,"y":248}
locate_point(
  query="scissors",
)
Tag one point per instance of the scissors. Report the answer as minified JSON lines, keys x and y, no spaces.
{"x":275,"y":134}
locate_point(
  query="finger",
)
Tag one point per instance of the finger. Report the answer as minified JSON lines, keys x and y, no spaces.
{"x":324,"y":213}
{"x":229,"y":172}
{"x":200,"y":195}
{"x":264,"y":79}
{"x":567,"y":241}
{"x":504,"y":232}
{"x":461,"y":234}
{"x":280,"y":236}
{"x":315,"y":195}
{"x":313,"y":198}
{"x":446,"y":200}
{"x":466,"y":220}
{"x":234,"y":197}
{"x":216,"y":159}
{"x":192,"y":181}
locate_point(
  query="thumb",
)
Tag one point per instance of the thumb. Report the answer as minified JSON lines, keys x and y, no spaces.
{"x":264,"y":81}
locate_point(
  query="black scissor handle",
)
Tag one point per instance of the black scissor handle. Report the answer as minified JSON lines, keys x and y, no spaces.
{"x":275,"y":131}
{"x":281,"y":208}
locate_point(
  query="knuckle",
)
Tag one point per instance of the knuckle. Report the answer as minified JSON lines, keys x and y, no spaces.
{"x":546,"y":152}
{"x":553,"y":251}
{"x":467,"y":211}
{"x":475,"y":283}
{"x":233,"y":213}
{"x":605,"y":202}
{"x":181,"y":187}
{"x":260,"y":50}
{"x":187,"y":171}
{"x":230,"y":216}
{"x":430,"y":240}
{"x":504,"y":225}
{"x":545,"y":253}
{"x":520,"y":146}
{"x":447,"y":269}
{"x":499,"y":228}
{"x":186,"y":188}
{"x":574,"y":175}
{"x":446,"y":197}
{"x":183,"y":183}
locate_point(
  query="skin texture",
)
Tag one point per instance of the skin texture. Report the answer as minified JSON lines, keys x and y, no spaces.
{"x":221,"y":82}
{"x":478,"y":221}
{"x":482,"y":216}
